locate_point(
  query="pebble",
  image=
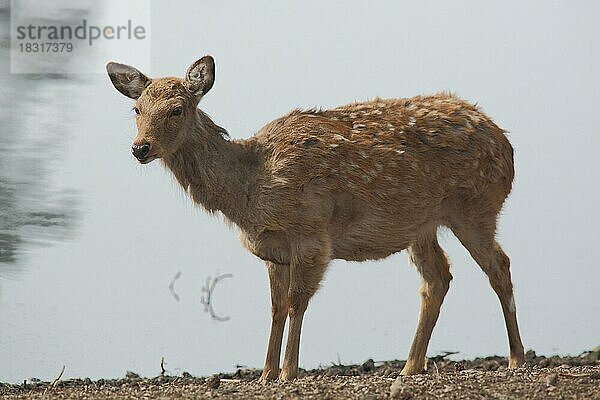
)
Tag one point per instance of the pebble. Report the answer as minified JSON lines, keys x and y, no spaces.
{"x":399,"y":391}
{"x":368,"y":365}
{"x":131,"y":375}
{"x":544,"y":363}
{"x":551,"y":379}
{"x":213,"y":382}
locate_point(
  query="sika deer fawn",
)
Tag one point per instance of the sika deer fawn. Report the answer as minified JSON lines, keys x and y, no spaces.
{"x":359,"y":182}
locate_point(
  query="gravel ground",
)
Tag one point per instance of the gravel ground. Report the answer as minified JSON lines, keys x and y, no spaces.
{"x":482,"y":378}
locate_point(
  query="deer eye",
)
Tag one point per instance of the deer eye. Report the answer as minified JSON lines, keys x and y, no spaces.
{"x":177,"y":110}
{"x":137,"y":110}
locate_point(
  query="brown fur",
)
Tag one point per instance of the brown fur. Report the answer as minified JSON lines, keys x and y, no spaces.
{"x":359,"y":182}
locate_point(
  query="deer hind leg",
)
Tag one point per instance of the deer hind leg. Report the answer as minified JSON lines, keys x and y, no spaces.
{"x":306,"y":273}
{"x":478,"y":238}
{"x":432,"y":264}
{"x":279,"y":280}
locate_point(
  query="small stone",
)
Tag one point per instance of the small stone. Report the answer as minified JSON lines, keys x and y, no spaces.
{"x":595,"y":375}
{"x":530,"y":355}
{"x":368,"y":365}
{"x":399,"y":391}
{"x":131,"y":375}
{"x":551,"y":379}
{"x":544,"y":363}
{"x":491,"y":365}
{"x":213,"y":382}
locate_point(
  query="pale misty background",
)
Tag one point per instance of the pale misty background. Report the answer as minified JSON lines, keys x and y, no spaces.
{"x":89,"y":290}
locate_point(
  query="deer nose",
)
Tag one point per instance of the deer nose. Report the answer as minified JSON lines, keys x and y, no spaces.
{"x":140,"y":151}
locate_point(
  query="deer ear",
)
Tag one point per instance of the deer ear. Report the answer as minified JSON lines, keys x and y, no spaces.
{"x":127,"y":80}
{"x":200,"y":76}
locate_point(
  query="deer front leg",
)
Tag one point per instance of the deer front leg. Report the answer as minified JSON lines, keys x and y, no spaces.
{"x":279,"y":280}
{"x":305,"y":275}
{"x":431,"y":262}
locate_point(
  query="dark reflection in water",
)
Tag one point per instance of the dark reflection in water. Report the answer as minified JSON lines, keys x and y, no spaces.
{"x":33,"y":132}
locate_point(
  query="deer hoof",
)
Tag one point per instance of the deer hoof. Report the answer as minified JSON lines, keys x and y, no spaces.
{"x":268,"y":376}
{"x":286,"y":376}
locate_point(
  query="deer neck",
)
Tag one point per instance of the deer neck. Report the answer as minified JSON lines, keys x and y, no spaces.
{"x":217,"y":173}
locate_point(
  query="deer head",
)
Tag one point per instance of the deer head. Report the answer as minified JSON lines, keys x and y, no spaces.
{"x":165,"y":107}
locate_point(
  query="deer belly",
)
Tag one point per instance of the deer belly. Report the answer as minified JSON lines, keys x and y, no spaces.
{"x":270,"y":246}
{"x":367,"y":247}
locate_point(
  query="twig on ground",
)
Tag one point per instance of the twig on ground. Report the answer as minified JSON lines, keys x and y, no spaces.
{"x":442,"y":356}
{"x":209,"y":288}
{"x":172,"y":284}
{"x":162,"y":366}
{"x":339,"y":361}
{"x":53,"y":384}
{"x":569,"y":375}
